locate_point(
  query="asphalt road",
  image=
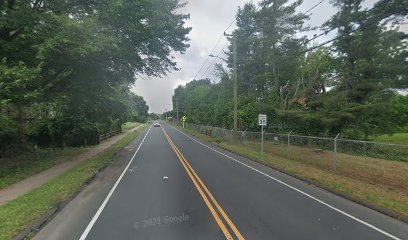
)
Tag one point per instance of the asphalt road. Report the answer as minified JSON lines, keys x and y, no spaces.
{"x":177,"y":187}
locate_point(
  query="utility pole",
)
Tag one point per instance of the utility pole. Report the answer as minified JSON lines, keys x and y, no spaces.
{"x":177,"y":111}
{"x":234,"y":49}
{"x":235,"y":90}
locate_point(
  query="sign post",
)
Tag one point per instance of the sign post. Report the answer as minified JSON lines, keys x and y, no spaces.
{"x":183,"y":119}
{"x":262,"y":120}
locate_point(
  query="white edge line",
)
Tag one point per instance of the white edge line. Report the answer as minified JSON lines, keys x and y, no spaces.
{"x":297,"y":190}
{"x":96,"y":216}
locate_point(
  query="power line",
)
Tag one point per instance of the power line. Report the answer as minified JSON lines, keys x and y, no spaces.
{"x":229,"y":26}
{"x":333,"y":28}
{"x":213,"y":62}
{"x":213,"y":70}
{"x":353,"y":31}
{"x":218,"y":41}
{"x":210,"y":73}
{"x":317,"y":4}
{"x":333,"y":39}
{"x":202,"y":65}
{"x":340,"y":36}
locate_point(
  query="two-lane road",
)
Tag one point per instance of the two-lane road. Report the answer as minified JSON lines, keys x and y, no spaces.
{"x":177,"y":187}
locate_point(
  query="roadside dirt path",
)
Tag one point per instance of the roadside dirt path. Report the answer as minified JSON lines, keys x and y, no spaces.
{"x":20,"y":188}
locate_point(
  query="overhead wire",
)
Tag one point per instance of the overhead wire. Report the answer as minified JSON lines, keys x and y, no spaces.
{"x":316,"y":5}
{"x":212,"y":51}
{"x":202,"y":65}
{"x":353,"y":31}
{"x":215,"y":60}
{"x":333,"y":28}
{"x":304,"y":43}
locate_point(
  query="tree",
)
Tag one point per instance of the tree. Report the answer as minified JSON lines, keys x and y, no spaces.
{"x":364,"y":50}
{"x":75,"y":61}
{"x":179,"y":100}
{"x":348,"y":87}
{"x":267,"y":46}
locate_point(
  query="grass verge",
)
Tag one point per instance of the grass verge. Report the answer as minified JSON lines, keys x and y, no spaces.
{"x":15,"y":169}
{"x":397,"y":138}
{"x":23,"y":211}
{"x":129,"y":125}
{"x":376,"y":182}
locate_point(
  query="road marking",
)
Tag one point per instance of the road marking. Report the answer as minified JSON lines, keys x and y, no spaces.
{"x":227,"y":219}
{"x":98,"y":213}
{"x":132,"y":169}
{"x":207,"y":202}
{"x":297,"y":190}
{"x":190,"y":171}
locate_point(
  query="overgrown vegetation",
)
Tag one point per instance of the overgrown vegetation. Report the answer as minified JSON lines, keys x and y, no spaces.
{"x":349,"y":86}
{"x":66,"y":67}
{"x":20,"y":213}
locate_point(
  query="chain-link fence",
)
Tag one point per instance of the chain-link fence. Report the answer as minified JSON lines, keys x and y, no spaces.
{"x":310,"y":148}
{"x":375,"y":163}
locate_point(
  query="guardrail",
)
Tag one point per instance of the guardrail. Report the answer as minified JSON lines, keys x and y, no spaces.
{"x":108,"y":135}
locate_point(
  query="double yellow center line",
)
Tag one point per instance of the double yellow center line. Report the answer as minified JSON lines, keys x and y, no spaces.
{"x":206,"y":194}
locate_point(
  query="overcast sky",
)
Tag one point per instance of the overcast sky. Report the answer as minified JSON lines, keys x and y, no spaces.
{"x":209,"y":19}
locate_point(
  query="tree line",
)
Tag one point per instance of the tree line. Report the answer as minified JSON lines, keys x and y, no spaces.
{"x":349,"y":84}
{"x":66,"y":67}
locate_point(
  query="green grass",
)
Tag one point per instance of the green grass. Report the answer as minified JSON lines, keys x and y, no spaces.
{"x":129,"y":125}
{"x":20,"y":213}
{"x":15,"y":169}
{"x":397,"y":138}
{"x":375,"y":181}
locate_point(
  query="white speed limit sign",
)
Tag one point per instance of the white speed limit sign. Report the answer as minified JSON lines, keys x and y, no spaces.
{"x":262,"y":120}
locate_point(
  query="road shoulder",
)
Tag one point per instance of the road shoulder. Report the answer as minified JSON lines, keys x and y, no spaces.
{"x":23,"y":216}
{"x":71,"y":220}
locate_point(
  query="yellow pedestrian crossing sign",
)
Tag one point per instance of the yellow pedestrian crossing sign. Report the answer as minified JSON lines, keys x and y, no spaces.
{"x":184,"y":119}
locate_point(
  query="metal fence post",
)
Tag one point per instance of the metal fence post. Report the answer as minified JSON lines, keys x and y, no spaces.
{"x":334,"y":163}
{"x":262,"y":137}
{"x":319,"y":145}
{"x":287,"y":150}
